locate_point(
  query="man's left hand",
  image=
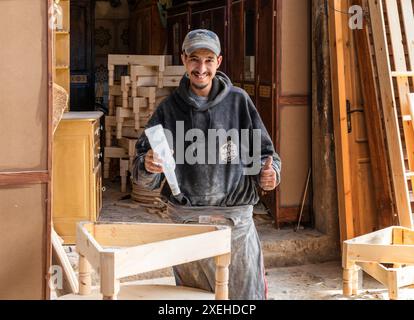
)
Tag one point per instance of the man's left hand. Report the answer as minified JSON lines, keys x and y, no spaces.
{"x":268,"y":176}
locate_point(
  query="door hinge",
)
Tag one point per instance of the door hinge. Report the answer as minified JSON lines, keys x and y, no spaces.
{"x":349,"y":112}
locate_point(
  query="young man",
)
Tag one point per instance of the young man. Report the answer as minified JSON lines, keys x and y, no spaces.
{"x":218,"y":176}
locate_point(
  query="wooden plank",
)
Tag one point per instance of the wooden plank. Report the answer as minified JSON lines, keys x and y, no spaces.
{"x":378,"y":237}
{"x":400,"y":254}
{"x":115,"y":90}
{"x":397,"y":236}
{"x":70,"y":281}
{"x":167,"y":81}
{"x":138,"y":102}
{"x":87,"y":245}
{"x":123,"y":235}
{"x":340,"y":122}
{"x":407,"y":237}
{"x":411,"y":100}
{"x":375,"y":270}
{"x":145,"y":71}
{"x":376,"y":139}
{"x":16,"y":178}
{"x":114,"y":152}
{"x":405,"y":276}
{"x":394,"y":144}
{"x":403,"y":86}
{"x":109,"y":283}
{"x":144,"y":60}
{"x":164,"y":254}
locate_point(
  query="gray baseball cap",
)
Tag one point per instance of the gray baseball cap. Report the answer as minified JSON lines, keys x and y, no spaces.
{"x":201,"y":39}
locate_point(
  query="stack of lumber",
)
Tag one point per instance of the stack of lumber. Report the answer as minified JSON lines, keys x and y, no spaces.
{"x":132,"y":101}
{"x":373,"y":101}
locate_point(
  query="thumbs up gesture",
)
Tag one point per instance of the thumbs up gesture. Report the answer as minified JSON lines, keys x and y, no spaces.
{"x":268,"y":176}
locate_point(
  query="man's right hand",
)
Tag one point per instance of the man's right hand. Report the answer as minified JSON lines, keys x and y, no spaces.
{"x":153,"y":163}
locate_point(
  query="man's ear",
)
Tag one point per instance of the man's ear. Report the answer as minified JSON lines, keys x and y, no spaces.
{"x":219,"y":60}
{"x":183,"y":58}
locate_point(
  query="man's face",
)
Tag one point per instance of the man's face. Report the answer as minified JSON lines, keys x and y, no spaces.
{"x":201,"y":67}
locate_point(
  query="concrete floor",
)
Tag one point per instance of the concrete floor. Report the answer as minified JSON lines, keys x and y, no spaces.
{"x":299,"y":266}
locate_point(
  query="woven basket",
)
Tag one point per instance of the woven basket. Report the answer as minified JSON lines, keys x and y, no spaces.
{"x":60,"y":104}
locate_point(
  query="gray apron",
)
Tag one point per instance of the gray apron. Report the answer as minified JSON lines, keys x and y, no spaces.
{"x":246,"y":272}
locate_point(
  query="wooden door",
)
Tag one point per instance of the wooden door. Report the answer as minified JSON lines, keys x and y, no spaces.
{"x":82,"y":84}
{"x":250,"y":50}
{"x":364,"y":207}
{"x":265,"y":79}
{"x":356,"y":198}
{"x":141,"y":30}
{"x":26,"y":148}
{"x":218,"y":24}
{"x":178,"y":26}
{"x":236,"y":43}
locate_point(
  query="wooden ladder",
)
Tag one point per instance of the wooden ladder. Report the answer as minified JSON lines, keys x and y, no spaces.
{"x":395,"y":19}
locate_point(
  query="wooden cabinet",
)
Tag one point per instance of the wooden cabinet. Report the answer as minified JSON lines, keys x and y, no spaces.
{"x":147,"y":29}
{"x":212,"y":15}
{"x":193,"y":15}
{"x":77,"y":179}
{"x":253,"y":63}
{"x":61,"y":63}
{"x":178,"y":25}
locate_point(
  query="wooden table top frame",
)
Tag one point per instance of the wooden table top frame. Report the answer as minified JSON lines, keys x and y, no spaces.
{"x":118,"y":250}
{"x":393,"y":246}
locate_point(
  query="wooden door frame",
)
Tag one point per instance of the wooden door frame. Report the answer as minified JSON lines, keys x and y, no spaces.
{"x":290,"y":214}
{"x":21,"y":178}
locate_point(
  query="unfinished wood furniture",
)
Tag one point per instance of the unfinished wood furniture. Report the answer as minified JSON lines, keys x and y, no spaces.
{"x":149,"y":81}
{"x":118,"y":250}
{"x":62,"y":45}
{"x":77,"y":178}
{"x":26,"y":149}
{"x":69,"y":283}
{"x":159,"y":61}
{"x":392,"y":46}
{"x":387,"y":255}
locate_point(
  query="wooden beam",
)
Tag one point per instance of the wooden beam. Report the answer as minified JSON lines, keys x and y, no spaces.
{"x":296,"y":100}
{"x":162,"y":254}
{"x":343,"y":170}
{"x":376,"y":139}
{"x":21,"y":178}
{"x":395,"y":149}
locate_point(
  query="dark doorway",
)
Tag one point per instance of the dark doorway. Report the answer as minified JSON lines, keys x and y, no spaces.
{"x":82,"y":79}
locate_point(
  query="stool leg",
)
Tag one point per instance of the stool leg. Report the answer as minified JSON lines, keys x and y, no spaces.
{"x":347,"y":282}
{"x":85,"y":279}
{"x":109,"y":283}
{"x":355,"y":273}
{"x":392,"y":285}
{"x":111,"y":294}
{"x":123,"y":170}
{"x":222,"y":277}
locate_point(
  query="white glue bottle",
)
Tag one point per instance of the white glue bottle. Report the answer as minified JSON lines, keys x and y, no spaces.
{"x":159,"y":145}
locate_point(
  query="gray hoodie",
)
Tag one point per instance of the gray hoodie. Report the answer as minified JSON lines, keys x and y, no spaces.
{"x":222,"y":182}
